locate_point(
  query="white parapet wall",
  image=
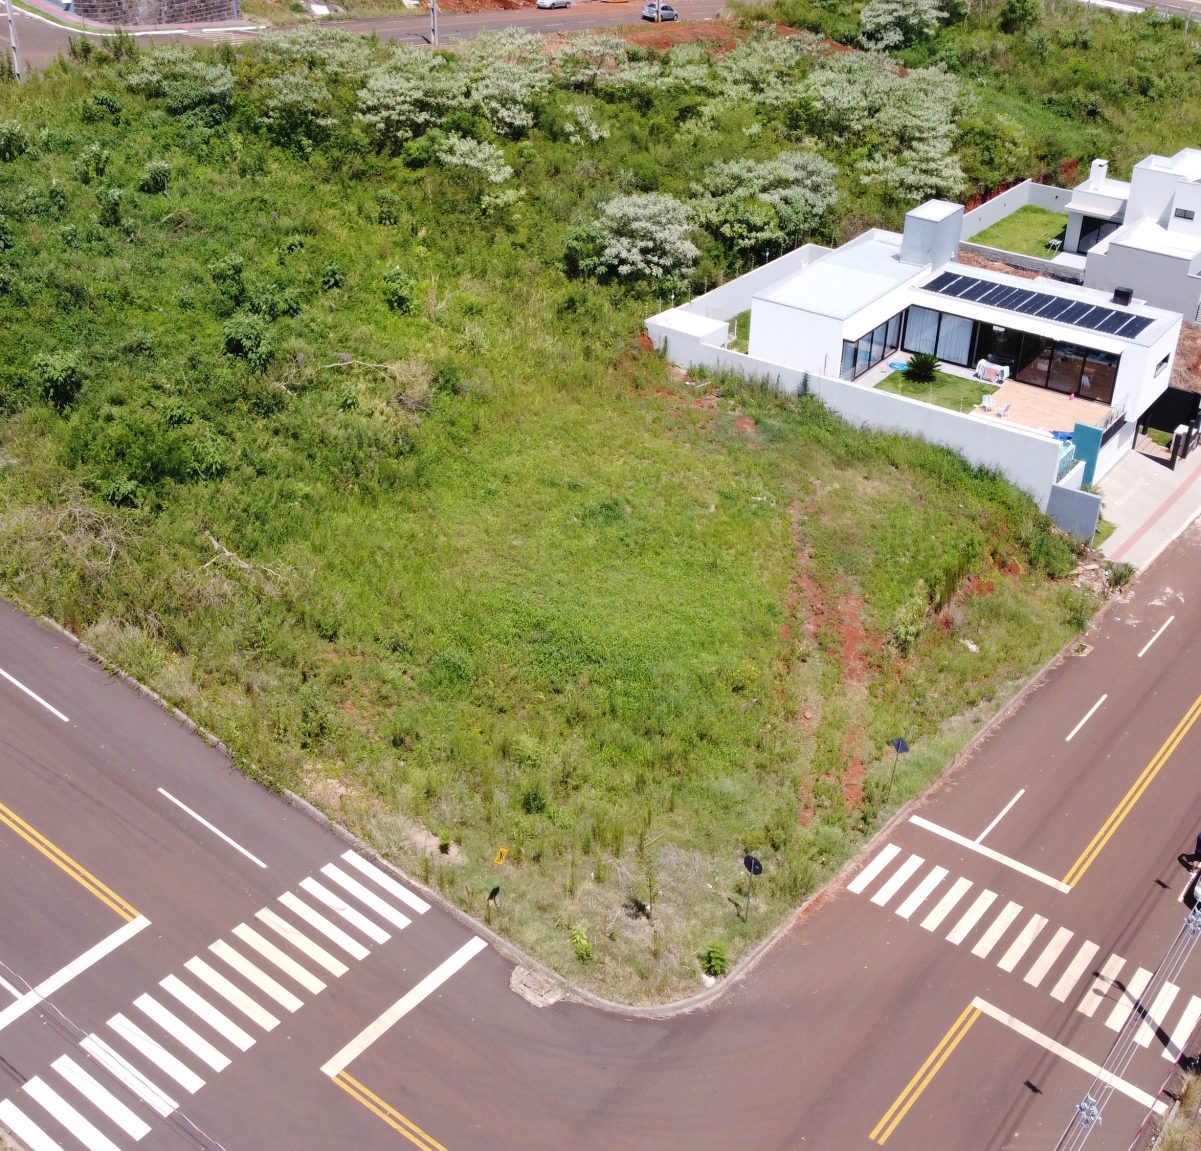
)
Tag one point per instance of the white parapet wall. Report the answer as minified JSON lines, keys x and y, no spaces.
{"x":1029,"y":459}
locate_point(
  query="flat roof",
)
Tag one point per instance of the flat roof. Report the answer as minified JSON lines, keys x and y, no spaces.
{"x":1151,"y":236}
{"x":1159,"y":320}
{"x":1186,"y":163}
{"x":847,"y":280}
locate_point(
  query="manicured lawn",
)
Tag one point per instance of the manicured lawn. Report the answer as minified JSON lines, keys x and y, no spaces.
{"x":1026,"y":231}
{"x":742,"y":331}
{"x":946,"y":391}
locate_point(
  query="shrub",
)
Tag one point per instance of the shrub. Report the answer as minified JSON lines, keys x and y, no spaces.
{"x":109,"y":200}
{"x":888,"y":24}
{"x":102,"y":106}
{"x":155,"y":178}
{"x":909,"y":620}
{"x":59,"y":377}
{"x":1119,"y":574}
{"x":1050,"y":551}
{"x":227,"y":275}
{"x":14,"y":140}
{"x":92,"y":163}
{"x":1019,"y":15}
{"x":399,"y":289}
{"x":245,"y":335}
{"x":331,"y":276}
{"x":714,"y":960}
{"x":7,"y":240}
{"x":922,"y":368}
{"x":297,"y":110}
{"x":643,"y":236}
{"x":581,"y":945}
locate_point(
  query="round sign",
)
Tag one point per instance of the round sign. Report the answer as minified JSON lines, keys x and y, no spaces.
{"x":752,"y":865}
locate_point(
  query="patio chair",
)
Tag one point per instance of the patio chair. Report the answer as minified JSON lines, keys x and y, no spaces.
{"x":1002,"y":411}
{"x":986,"y":402}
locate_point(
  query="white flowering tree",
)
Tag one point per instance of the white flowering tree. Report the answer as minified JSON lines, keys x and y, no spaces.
{"x":410,"y":94}
{"x":886,"y":24}
{"x":183,"y":81}
{"x":645,"y":236}
{"x":589,"y":60}
{"x":297,"y":110}
{"x":486,"y":160}
{"x":319,"y":48}
{"x":753,"y":204}
{"x":509,"y":73}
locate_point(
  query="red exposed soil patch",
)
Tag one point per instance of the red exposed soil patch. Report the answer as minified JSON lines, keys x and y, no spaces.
{"x":1186,"y":368}
{"x":744,"y":424}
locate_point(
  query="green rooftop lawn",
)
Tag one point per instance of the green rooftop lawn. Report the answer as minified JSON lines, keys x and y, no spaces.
{"x":1026,"y":231}
{"x":946,"y":391}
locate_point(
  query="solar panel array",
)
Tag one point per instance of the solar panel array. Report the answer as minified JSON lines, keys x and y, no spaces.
{"x":1047,"y":307}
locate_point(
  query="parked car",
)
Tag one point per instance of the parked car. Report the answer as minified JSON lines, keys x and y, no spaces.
{"x":659,"y":11}
{"x":553,"y":4}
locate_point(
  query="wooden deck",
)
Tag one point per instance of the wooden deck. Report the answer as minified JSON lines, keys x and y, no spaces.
{"x":1035,"y":407}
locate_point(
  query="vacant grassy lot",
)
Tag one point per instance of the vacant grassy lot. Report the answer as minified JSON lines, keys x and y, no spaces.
{"x":1027,"y":231}
{"x":329,"y":449}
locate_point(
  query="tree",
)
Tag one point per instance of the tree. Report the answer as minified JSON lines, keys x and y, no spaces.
{"x":886,"y":24}
{"x":1019,"y":15}
{"x":637,"y":237}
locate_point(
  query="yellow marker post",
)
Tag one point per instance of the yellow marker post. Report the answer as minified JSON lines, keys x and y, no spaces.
{"x":501,"y":855}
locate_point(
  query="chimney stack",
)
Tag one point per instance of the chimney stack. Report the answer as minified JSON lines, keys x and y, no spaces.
{"x":1097,"y":173}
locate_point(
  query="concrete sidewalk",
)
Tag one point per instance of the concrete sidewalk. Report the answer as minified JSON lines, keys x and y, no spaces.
{"x":1151,"y":505}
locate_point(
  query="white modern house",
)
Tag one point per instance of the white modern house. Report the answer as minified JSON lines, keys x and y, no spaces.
{"x":1144,"y":235}
{"x":826,"y":319}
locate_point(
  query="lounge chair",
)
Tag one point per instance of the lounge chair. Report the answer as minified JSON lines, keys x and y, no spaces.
{"x":1002,"y":411}
{"x":986,"y":402}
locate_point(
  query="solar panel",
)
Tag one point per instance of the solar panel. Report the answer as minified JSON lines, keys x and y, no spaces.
{"x":939,"y":283}
{"x":977,"y":289}
{"x":1061,"y":309}
{"x":1134,"y":325}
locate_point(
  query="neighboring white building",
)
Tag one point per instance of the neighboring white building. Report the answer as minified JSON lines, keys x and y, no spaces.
{"x":1144,"y":235}
{"x":821,"y":318}
{"x":882,"y":292}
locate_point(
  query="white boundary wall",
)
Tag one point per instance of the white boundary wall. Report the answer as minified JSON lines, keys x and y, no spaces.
{"x":1026,"y":458}
{"x":727,"y":301}
{"x":1019,"y":196}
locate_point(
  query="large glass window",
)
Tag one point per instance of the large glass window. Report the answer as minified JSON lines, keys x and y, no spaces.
{"x":847,"y":371}
{"x":1034,"y":360}
{"x":954,"y":339}
{"x":1099,"y":377}
{"x":867,"y":351}
{"x":1067,"y":366}
{"x":921,"y":330}
{"x":894,"y":332}
{"x":1093,"y":231}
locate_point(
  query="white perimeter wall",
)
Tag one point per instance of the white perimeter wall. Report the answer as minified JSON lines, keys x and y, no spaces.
{"x":727,"y":301}
{"x":1027,"y":192}
{"x":780,"y":334}
{"x":1026,"y":458}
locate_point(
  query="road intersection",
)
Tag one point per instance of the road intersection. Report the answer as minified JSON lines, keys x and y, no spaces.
{"x":190,"y":961}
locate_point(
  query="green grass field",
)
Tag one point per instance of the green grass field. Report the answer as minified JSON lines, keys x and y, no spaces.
{"x":946,"y":390}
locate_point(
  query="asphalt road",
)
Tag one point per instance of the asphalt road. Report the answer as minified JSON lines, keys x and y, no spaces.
{"x":960,"y":990}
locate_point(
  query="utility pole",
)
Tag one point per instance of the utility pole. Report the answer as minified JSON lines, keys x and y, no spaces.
{"x":433,"y":22}
{"x":12,"y":39}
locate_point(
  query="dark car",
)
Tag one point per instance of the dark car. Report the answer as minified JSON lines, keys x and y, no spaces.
{"x":659,"y":12}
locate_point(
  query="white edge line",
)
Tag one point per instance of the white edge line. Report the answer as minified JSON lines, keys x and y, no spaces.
{"x":215,"y":830}
{"x":49,"y":986}
{"x":33,"y":695}
{"x":1086,"y":1065}
{"x":1089,"y":715}
{"x":988,"y":853}
{"x":403,"y":1006}
{"x":1155,"y":637}
{"x":1004,"y":813}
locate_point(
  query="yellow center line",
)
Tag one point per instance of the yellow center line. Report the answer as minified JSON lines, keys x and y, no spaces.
{"x":60,"y":858}
{"x":925,"y":1075}
{"x":1132,"y":796}
{"x":387,"y":1113}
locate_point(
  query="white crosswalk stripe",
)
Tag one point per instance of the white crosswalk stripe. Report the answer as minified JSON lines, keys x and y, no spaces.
{"x":1075,"y":969}
{"x":203,"y":1009}
{"x":382,"y":879}
{"x":156,"y":1053}
{"x":340,"y":907}
{"x":1022,"y":943}
{"x":256,"y":975}
{"x":100,"y":1097}
{"x":300,"y":941}
{"x":25,"y":1128}
{"x":922,"y":892}
{"x":178,"y":1029}
{"x":998,"y":927}
{"x":897,"y":880}
{"x":120,"y":1068}
{"x":235,"y":995}
{"x":946,"y":905}
{"x":1156,"y":1013}
{"x":1183,"y":1030}
{"x":331,"y":931}
{"x":861,"y":881}
{"x":1128,"y":999}
{"x":285,"y":963}
{"x":1100,"y":986}
{"x":364,"y":896}
{"x":1050,"y":953}
{"x":51,"y":1101}
{"x":971,"y":917}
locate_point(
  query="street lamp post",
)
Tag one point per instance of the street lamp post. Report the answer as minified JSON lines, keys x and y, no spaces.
{"x":433,"y":22}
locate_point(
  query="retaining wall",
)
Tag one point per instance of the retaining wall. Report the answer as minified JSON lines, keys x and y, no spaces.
{"x":143,"y":13}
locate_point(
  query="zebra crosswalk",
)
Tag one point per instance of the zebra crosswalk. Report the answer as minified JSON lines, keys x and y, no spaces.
{"x":173,"y":1038}
{"x":910,"y":886}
